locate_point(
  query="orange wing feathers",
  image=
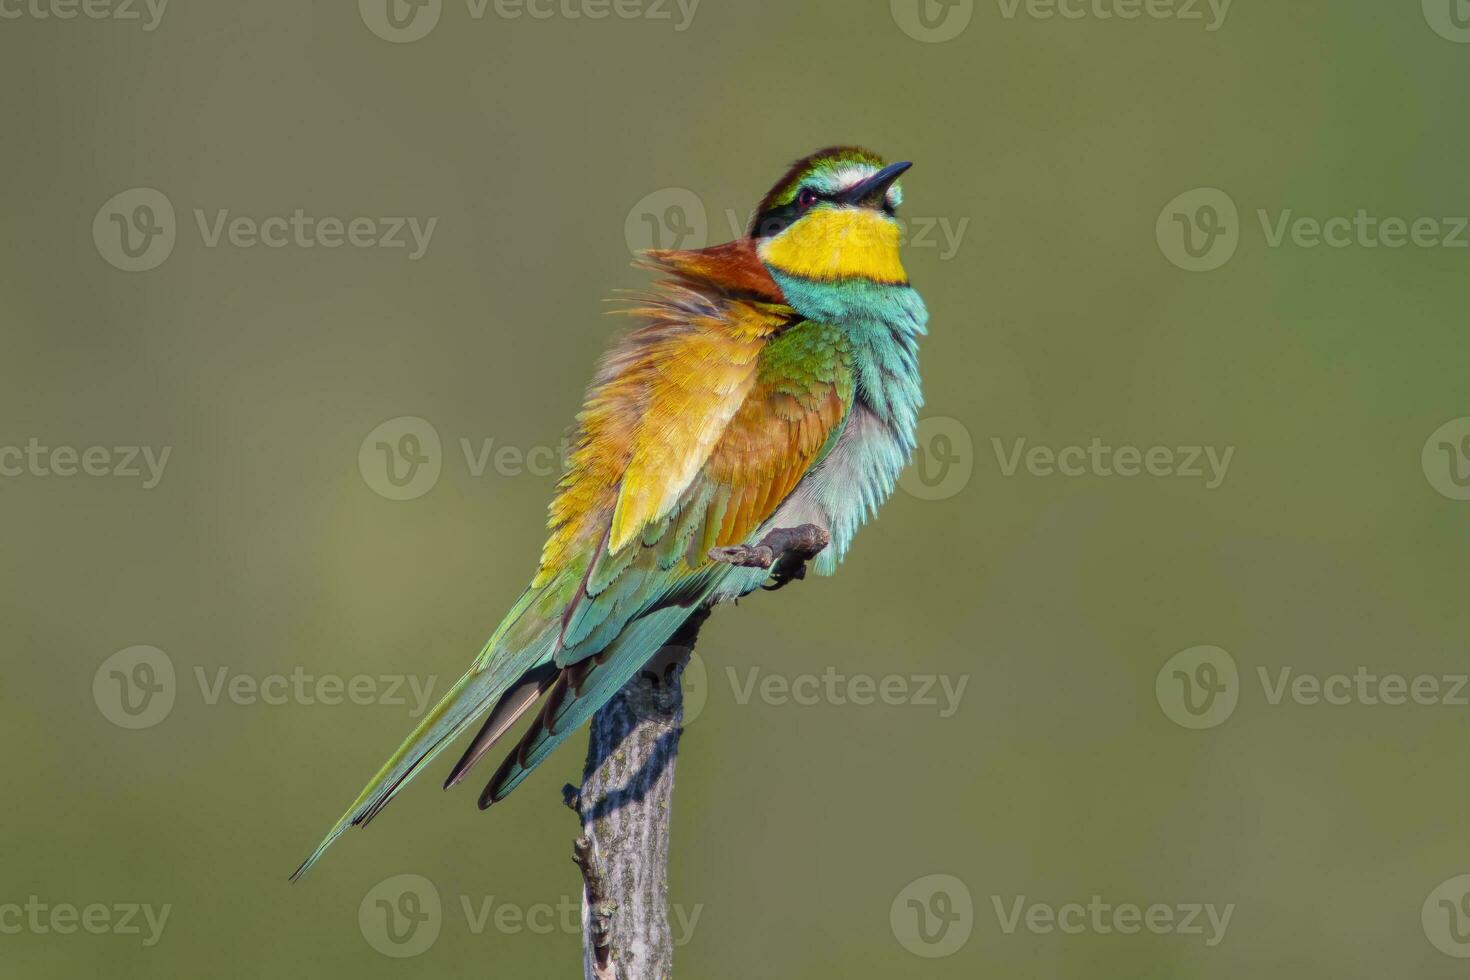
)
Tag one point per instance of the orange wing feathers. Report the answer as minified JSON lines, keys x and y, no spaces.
{"x":681,"y":400}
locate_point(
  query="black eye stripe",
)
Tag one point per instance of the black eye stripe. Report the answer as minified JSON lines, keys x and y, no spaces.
{"x":774,"y":220}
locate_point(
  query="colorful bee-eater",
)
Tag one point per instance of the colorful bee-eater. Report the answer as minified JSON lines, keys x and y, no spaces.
{"x":773,"y":383}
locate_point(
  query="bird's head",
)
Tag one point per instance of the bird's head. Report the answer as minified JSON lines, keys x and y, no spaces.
{"x":831,"y":219}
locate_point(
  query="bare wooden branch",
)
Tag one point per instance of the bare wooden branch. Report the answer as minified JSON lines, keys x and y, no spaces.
{"x":597,"y":910}
{"x":624,"y":805}
{"x":628,"y":788}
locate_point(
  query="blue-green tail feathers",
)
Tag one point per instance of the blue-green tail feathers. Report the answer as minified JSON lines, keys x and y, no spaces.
{"x":581,"y":690}
{"x":574,"y":692}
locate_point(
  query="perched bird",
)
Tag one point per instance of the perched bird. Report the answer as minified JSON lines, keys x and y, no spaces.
{"x":772,"y":383}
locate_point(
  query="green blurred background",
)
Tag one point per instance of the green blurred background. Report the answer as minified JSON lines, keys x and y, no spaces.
{"x":545,"y":147}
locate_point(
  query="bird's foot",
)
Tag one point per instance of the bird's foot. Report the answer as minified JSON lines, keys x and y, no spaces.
{"x":784,"y":550}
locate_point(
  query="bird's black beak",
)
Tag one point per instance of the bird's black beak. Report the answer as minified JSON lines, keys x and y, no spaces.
{"x":871,"y":192}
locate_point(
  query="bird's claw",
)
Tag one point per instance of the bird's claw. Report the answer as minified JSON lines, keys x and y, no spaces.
{"x":785,"y":551}
{"x":789,"y":568}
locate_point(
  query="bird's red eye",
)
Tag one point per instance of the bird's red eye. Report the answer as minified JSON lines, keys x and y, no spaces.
{"x":806,"y":197}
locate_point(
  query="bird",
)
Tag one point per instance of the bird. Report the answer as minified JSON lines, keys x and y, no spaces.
{"x":769,"y":383}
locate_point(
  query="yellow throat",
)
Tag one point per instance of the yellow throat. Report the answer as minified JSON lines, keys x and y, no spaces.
{"x":838,"y":243}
